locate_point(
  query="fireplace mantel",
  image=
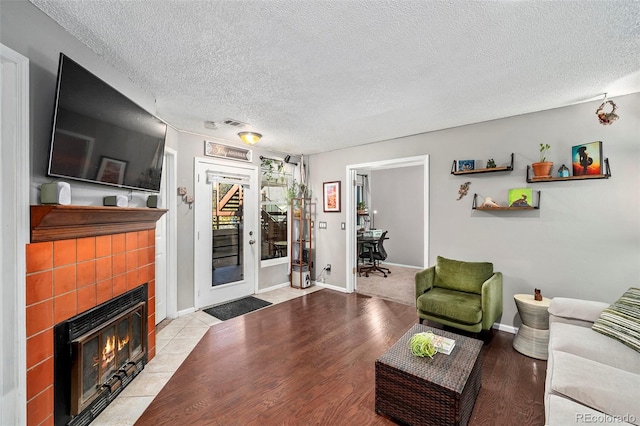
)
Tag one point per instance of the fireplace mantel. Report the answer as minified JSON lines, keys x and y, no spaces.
{"x":53,"y":222}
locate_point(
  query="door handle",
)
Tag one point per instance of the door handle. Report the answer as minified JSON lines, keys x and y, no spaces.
{"x":252,"y":242}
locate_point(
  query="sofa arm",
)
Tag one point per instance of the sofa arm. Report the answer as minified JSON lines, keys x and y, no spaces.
{"x":491,"y":300}
{"x":575,"y":311}
{"x":424,"y":280}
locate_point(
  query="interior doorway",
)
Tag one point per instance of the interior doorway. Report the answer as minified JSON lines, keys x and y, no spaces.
{"x":227,"y":231}
{"x":352,"y":203}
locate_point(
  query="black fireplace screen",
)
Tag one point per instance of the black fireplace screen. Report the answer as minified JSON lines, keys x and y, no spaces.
{"x":100,"y":354}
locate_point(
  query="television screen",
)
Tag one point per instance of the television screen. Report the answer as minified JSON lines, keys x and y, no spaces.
{"x":101,"y":136}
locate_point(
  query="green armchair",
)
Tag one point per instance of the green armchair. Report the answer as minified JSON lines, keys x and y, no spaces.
{"x":464,"y":295}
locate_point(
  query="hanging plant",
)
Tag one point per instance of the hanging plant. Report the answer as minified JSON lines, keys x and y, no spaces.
{"x":607,"y":118}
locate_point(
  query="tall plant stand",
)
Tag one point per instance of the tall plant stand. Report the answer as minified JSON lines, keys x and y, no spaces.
{"x":301,"y":251}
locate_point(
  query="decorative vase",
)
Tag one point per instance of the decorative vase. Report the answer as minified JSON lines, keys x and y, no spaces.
{"x":542,"y":170}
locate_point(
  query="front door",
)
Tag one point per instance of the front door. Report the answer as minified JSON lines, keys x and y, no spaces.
{"x":226,"y":227}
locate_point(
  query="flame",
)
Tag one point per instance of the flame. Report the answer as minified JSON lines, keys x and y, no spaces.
{"x":108,"y":353}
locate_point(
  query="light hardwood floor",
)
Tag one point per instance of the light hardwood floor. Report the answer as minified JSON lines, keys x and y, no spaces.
{"x":310,"y":360}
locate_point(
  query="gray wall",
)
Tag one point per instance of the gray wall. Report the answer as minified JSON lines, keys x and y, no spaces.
{"x":25,"y":29}
{"x":583,"y":242}
{"x":397,"y":196}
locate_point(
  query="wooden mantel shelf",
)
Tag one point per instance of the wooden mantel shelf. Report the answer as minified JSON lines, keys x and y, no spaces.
{"x":50,"y":223}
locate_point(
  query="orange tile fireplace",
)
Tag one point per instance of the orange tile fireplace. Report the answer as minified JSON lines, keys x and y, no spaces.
{"x":81,"y":258}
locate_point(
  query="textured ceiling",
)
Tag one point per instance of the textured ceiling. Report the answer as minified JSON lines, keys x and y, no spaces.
{"x":314,"y":76}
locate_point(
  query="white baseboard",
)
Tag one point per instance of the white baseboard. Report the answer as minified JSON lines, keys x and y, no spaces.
{"x":330,"y":286}
{"x":504,"y":327}
{"x":186,"y":311}
{"x":403,"y":266}
{"x":273,"y":287}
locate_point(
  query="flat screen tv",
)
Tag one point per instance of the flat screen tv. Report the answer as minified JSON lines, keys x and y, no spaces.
{"x":101,"y":136}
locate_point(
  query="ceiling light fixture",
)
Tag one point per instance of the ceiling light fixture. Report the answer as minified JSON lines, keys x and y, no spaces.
{"x":250,"y":138}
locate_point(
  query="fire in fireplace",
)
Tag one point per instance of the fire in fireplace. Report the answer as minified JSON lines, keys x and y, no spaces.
{"x":97,"y":354}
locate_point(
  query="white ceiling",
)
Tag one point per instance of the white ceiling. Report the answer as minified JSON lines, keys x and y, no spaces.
{"x":314,"y":76}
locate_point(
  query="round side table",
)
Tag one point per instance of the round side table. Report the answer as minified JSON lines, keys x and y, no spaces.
{"x":533,"y":335}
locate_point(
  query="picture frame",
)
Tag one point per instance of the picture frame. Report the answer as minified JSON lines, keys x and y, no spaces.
{"x":586,"y":159}
{"x":521,"y":197}
{"x":466,"y":165}
{"x":331,"y":197}
{"x":111,"y":170}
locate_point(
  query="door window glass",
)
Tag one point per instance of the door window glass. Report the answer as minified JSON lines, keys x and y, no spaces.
{"x":227,"y":225}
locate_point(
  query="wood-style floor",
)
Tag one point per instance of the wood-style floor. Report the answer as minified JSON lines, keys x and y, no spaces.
{"x":310,"y":361}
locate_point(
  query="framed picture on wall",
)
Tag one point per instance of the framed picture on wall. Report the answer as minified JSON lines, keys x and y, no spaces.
{"x":331,"y":196}
{"x":466,"y":165}
{"x":587,"y":159}
{"x":521,"y":197}
{"x":111,"y":170}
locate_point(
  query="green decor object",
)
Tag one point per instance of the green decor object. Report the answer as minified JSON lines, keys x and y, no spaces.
{"x":423,"y":344}
{"x":621,"y":320}
{"x":521,"y":197}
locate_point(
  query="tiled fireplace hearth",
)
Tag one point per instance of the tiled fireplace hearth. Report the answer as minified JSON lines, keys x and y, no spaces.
{"x":67,"y":276}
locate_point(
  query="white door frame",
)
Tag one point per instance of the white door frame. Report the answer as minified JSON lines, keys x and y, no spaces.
{"x":350,"y":243}
{"x":14,"y":225}
{"x":251,"y":221}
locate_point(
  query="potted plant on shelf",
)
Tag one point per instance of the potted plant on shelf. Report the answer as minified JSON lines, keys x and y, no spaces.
{"x":362,"y":208}
{"x":542,"y":169}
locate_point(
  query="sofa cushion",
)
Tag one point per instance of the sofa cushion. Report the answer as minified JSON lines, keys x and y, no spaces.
{"x":586,"y":343}
{"x":465,"y":308}
{"x":621,"y":320}
{"x":561,"y":411}
{"x":462,"y":276}
{"x":575,"y":311}
{"x":595,"y":385}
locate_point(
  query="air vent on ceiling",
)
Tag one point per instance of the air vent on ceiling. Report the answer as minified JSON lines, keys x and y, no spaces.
{"x":235,"y":123}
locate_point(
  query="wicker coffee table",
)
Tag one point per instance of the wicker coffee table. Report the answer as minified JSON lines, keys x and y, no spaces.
{"x":422,"y":391}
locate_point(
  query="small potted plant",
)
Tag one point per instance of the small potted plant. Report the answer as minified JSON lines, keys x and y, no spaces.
{"x":542,"y":169}
{"x":362,"y":208}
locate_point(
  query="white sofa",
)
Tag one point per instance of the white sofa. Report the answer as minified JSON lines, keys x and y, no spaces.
{"x":591,"y":378}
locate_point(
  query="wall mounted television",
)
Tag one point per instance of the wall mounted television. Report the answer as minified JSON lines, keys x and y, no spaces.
{"x":101,"y":136}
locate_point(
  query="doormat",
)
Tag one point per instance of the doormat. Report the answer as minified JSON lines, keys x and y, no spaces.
{"x":236,"y":308}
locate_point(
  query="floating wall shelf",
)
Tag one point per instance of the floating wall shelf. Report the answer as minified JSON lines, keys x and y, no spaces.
{"x":455,"y":171}
{"x":475,"y":205}
{"x":606,"y":175}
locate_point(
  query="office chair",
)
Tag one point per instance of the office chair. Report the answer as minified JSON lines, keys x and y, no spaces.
{"x":375,"y":253}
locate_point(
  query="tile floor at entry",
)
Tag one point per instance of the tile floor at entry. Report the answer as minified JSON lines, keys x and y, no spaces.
{"x":174,"y":343}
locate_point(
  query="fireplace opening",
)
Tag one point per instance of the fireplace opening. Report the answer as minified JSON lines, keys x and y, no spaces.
{"x":97,"y":354}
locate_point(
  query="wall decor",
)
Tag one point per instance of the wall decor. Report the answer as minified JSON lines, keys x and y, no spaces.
{"x":587,"y":159}
{"x":464,"y":189}
{"x":607,"y":118}
{"x":521,"y":197}
{"x":331,"y":196}
{"x":111,"y":170}
{"x":465,"y":165}
{"x":214,"y":149}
